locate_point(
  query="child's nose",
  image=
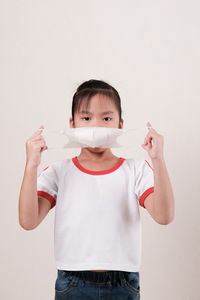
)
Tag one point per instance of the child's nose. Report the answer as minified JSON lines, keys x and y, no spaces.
{"x":95,"y":123}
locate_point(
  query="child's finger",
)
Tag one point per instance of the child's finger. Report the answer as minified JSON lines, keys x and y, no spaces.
{"x":39,"y":131}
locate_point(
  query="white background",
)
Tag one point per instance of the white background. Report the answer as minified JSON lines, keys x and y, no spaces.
{"x":149,"y":51}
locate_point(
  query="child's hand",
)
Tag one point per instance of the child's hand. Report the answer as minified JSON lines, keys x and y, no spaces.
{"x":34,"y":146}
{"x":155,"y":149}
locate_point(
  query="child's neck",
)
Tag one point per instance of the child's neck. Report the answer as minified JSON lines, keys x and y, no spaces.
{"x":95,"y":154}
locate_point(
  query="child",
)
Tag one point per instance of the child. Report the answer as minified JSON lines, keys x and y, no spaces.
{"x":96,"y":197}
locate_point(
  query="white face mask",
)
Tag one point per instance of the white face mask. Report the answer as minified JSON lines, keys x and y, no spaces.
{"x":103,"y":137}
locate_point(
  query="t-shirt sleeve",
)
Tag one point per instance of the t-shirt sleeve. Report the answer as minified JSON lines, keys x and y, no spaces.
{"x":47,"y":184}
{"x":144,"y":184}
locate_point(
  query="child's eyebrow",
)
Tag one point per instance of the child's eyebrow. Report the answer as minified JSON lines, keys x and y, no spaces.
{"x":89,"y":113}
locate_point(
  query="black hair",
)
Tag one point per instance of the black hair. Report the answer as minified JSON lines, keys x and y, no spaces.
{"x":93,"y":87}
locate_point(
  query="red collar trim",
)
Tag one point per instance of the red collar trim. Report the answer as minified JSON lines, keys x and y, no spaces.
{"x":102,"y":172}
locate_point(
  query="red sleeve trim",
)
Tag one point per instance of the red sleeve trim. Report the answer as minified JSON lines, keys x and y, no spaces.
{"x":149,"y":165}
{"x":144,"y":195}
{"x":45,"y":168}
{"x":48,"y":197}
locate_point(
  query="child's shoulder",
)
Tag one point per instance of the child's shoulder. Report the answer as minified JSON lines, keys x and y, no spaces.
{"x":58,"y":165}
{"x":137,"y":163}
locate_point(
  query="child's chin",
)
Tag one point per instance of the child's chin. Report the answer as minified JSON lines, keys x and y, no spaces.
{"x":97,"y":149}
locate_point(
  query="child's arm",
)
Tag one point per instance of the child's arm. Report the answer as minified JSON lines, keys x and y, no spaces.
{"x":31,"y":210}
{"x":161,"y":203}
{"x":163,"y":198}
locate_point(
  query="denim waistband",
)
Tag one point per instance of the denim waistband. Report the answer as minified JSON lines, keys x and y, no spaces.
{"x":99,"y":276}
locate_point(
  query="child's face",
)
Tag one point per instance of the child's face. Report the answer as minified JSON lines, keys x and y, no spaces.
{"x":101,"y":112}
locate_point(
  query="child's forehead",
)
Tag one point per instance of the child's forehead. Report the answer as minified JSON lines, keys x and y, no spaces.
{"x":83,"y":111}
{"x":97,"y":103}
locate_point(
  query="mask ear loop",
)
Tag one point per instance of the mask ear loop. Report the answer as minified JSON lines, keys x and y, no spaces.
{"x":53,"y":131}
{"x":127,"y":131}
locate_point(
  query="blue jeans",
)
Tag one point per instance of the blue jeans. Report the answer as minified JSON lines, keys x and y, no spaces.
{"x":109,"y":285}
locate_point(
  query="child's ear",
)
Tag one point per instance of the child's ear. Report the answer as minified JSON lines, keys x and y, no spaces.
{"x":121,"y":122}
{"x":71,"y":123}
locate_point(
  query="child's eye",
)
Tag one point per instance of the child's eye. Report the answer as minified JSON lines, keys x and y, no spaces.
{"x":85,"y":118}
{"x":104,"y":118}
{"x":107,"y":118}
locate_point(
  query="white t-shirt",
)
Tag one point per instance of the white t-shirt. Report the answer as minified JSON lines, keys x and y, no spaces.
{"x":97,"y":216}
